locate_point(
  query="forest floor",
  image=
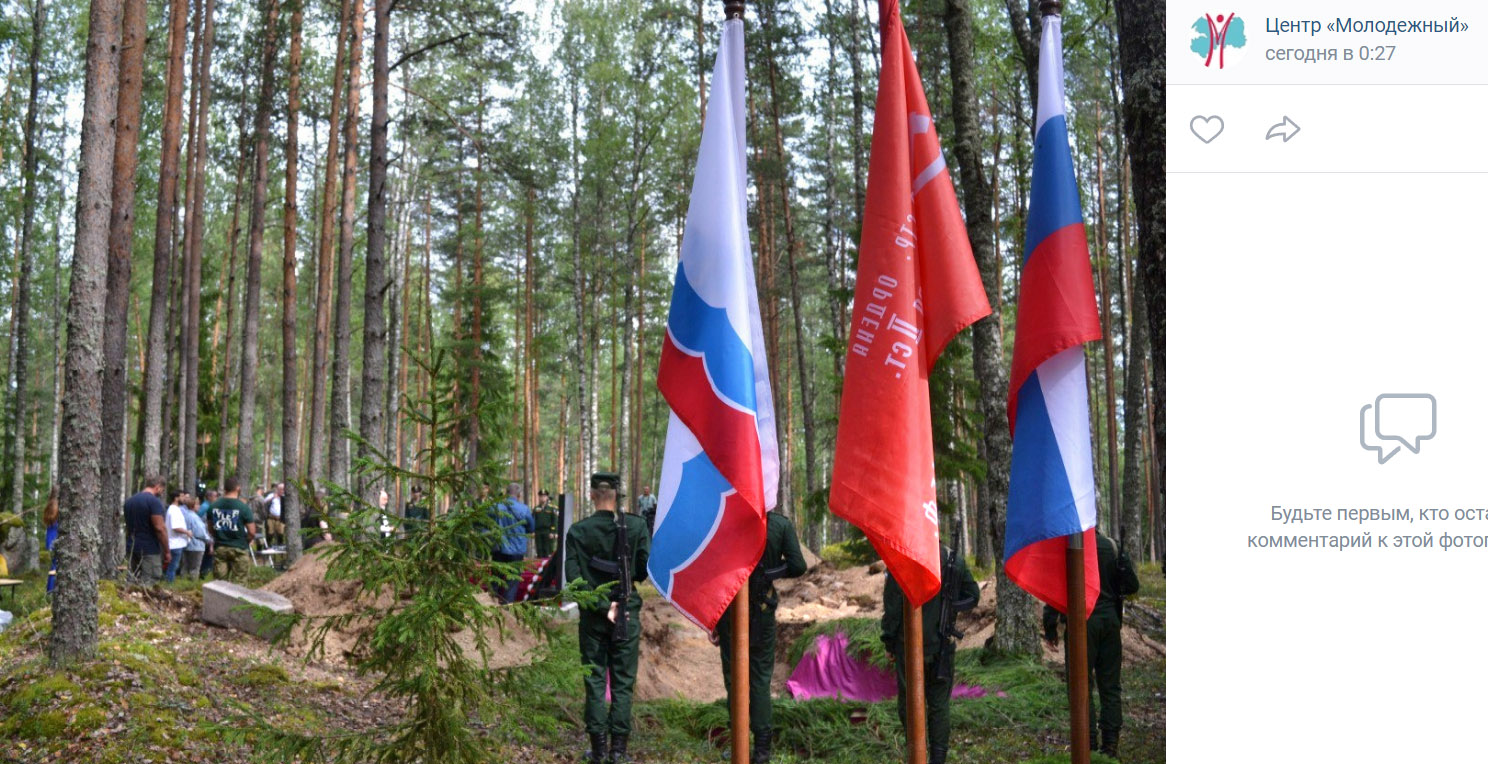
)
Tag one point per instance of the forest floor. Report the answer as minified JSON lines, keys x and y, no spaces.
{"x":168,"y":688}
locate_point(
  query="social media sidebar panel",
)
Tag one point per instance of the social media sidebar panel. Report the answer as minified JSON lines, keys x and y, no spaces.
{"x":1327,"y":386}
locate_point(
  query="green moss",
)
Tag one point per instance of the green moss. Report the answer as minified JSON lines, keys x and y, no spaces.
{"x":43,"y":690}
{"x":42,"y":726}
{"x":263,"y":675}
{"x":326,"y":685}
{"x":87,"y":719}
{"x":140,"y":700}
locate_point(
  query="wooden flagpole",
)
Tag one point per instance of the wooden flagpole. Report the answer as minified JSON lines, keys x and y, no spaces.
{"x":739,"y":671}
{"x":1077,"y":664}
{"x":914,"y":681}
{"x":739,"y":698}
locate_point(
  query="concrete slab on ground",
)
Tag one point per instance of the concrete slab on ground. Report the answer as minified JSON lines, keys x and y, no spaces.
{"x":223,"y":604}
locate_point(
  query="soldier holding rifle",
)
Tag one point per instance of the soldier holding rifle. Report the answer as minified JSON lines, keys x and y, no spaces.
{"x":608,"y":547}
{"x":958,"y":593}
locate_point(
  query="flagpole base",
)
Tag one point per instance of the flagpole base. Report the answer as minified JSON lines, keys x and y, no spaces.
{"x":739,"y":671}
{"x":914,"y":681}
{"x":1077,"y":664}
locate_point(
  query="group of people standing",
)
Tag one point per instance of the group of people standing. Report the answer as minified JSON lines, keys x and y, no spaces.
{"x":189,"y":538}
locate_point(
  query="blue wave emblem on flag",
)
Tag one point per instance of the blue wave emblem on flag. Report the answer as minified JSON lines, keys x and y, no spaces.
{"x":682,"y":535}
{"x":701,"y":329}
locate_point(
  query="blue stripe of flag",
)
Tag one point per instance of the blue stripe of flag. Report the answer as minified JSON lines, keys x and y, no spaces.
{"x":1040,"y":503}
{"x":1053,"y":202}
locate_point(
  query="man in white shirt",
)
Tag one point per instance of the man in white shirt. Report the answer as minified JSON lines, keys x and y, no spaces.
{"x":179,"y":535}
{"x":275,"y":505}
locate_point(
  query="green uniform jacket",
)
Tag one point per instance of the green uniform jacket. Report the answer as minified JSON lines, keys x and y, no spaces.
{"x":893,"y":617}
{"x":546,"y":535}
{"x":593,"y":539}
{"x":1116,"y":574}
{"x":782,"y":549}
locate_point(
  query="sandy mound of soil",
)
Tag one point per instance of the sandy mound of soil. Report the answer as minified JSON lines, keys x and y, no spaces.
{"x":677,"y":658}
{"x":306,"y":586}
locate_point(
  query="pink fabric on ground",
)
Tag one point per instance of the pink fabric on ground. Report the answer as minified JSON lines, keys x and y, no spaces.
{"x":830,"y":671}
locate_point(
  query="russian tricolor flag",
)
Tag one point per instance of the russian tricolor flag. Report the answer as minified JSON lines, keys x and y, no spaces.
{"x":721,"y":469}
{"x":1052,"y":494}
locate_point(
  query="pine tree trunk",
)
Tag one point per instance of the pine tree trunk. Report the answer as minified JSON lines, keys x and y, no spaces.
{"x":340,"y":446}
{"x":529,"y":397}
{"x":1133,"y":489}
{"x":1103,"y":267}
{"x":176,"y":434}
{"x":116,"y":305}
{"x":165,"y":215}
{"x":74,"y":634}
{"x":1015,"y":608}
{"x":289,"y":312}
{"x":1144,"y":86}
{"x":225,"y":380}
{"x":580,"y":340}
{"x":808,"y":416}
{"x":316,"y":459}
{"x":20,"y":344}
{"x":477,"y":312}
{"x":252,"y":282}
{"x":192,"y":358}
{"x":374,"y":321}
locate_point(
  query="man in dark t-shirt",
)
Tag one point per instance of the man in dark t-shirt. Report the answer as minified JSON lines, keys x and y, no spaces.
{"x":232,"y":525}
{"x":144,"y":531}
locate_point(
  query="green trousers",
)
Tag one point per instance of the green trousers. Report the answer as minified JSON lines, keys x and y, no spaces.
{"x":229,"y":563}
{"x":937,"y":703}
{"x":617,"y":659}
{"x":761,"y":663}
{"x":1104,"y":632}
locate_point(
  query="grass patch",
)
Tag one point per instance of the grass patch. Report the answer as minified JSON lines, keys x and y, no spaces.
{"x":1154,"y":585}
{"x":850,"y":553}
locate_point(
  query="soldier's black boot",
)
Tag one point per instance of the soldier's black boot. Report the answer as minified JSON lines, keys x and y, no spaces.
{"x":618,"y":744}
{"x":761,"y":753}
{"x":598,"y":754}
{"x":938,"y":754}
{"x":1109,"y":742}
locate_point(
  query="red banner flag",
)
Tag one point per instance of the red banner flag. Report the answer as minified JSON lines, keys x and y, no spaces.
{"x":918,"y":285}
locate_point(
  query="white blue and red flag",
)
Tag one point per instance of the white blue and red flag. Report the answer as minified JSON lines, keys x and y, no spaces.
{"x":721,"y":468}
{"x":1052,"y":492}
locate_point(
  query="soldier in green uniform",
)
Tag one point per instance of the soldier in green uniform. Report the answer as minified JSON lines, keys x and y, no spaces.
{"x":545,"y":538}
{"x":590,"y":555}
{"x":1118,"y":579}
{"x":782,"y":559}
{"x":937,"y":691}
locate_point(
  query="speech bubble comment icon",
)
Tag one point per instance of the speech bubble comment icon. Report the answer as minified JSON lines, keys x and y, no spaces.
{"x":1403,"y":418}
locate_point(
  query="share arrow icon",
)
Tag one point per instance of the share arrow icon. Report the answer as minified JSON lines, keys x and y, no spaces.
{"x":1286,"y":129}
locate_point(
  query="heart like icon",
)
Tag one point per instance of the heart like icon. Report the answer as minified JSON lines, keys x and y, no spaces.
{"x":1206,"y":128}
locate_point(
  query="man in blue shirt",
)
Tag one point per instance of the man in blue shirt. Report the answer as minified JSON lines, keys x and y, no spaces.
{"x":145,"y":534}
{"x":513,"y":522}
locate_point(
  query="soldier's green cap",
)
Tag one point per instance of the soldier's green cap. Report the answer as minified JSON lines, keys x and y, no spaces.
{"x":605,"y":480}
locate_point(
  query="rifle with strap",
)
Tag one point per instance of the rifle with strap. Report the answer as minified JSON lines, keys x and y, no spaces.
{"x":945,"y":654}
{"x":626,"y":585}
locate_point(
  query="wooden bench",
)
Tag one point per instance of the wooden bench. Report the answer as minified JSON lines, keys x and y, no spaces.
{"x":11,"y":584}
